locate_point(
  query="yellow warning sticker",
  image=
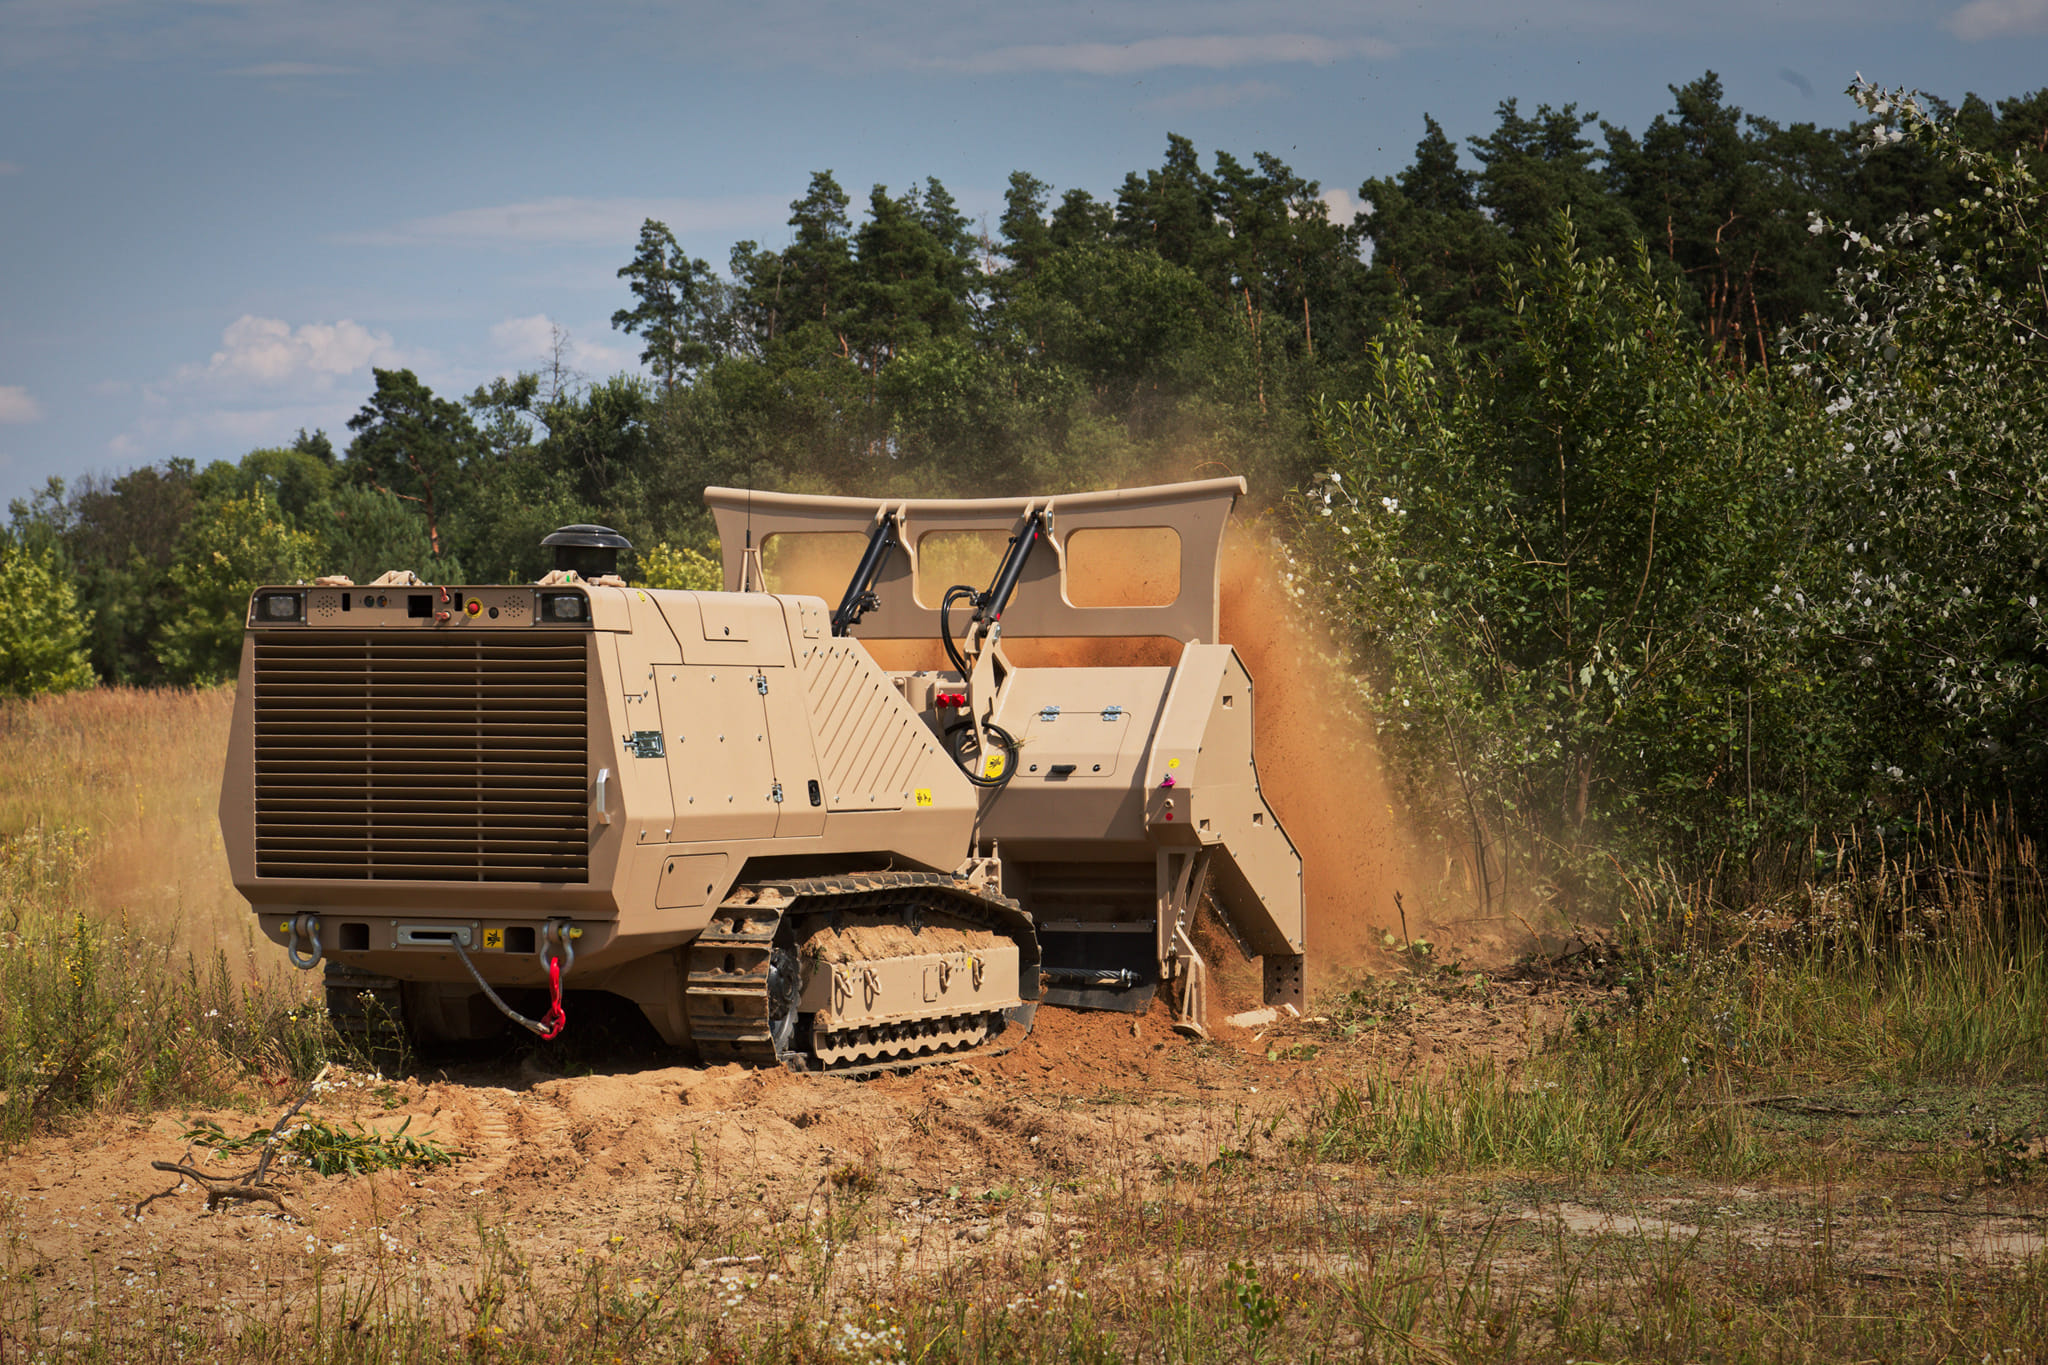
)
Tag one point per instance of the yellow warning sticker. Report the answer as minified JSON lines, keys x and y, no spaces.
{"x":494,"y":938}
{"x":993,"y":767}
{"x":1173,"y":763}
{"x":924,"y":796}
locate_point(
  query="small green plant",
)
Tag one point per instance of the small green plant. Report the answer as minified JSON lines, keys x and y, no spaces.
{"x":856,"y":1177}
{"x":2010,"y":1158}
{"x":1259,"y":1310}
{"x":329,"y":1149}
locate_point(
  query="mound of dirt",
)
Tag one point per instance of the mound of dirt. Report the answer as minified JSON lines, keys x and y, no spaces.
{"x":858,"y":936}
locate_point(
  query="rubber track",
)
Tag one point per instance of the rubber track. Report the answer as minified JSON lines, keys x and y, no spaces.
{"x":726,"y":991}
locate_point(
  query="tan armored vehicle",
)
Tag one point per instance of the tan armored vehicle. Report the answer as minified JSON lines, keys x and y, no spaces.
{"x":718,"y":805}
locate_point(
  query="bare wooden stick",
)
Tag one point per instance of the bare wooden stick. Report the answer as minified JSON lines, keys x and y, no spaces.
{"x":1798,"y":1104}
{"x":241,"y":1185}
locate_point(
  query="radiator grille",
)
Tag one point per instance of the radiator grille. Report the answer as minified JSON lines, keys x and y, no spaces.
{"x":422,"y":757}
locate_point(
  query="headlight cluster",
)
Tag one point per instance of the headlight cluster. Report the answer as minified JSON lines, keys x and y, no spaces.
{"x":276,"y":608}
{"x":564,"y":607}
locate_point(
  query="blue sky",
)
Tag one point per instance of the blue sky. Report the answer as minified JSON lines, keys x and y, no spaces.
{"x":218,"y":215}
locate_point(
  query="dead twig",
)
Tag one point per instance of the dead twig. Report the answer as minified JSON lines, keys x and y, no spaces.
{"x":218,"y":1191}
{"x":1797,"y":1104}
{"x":246,"y":1186}
{"x":1975,"y":1213}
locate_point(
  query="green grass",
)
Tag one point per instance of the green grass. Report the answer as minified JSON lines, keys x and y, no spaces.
{"x":100,"y":1015}
{"x":1732,"y":1041}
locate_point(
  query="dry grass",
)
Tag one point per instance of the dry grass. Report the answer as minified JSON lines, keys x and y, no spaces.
{"x":1892,"y":999}
{"x":128,"y":970}
{"x":137,"y":774}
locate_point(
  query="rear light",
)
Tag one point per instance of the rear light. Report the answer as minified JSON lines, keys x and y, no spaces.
{"x":280,"y":608}
{"x":562,"y":608}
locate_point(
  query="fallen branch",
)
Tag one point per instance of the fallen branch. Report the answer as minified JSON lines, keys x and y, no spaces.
{"x":1976,"y":1213}
{"x":218,"y":1191}
{"x":1797,"y":1104}
{"x":245,"y":1186}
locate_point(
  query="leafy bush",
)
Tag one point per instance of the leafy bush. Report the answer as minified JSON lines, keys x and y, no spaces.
{"x":1934,"y":366}
{"x":228,"y":551}
{"x":42,"y":632}
{"x":328,"y":1148}
{"x":669,"y":566}
{"x":1557,"y":565}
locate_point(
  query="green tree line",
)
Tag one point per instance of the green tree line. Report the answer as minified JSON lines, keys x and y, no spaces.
{"x":1675,"y":488}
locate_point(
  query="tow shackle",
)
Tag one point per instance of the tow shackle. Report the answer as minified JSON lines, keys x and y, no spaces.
{"x":558,"y":940}
{"x":304,"y":925}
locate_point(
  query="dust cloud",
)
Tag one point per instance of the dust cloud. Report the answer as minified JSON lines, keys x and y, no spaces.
{"x":1320,"y":766}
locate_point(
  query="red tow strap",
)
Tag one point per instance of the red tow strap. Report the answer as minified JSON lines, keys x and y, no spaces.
{"x":554,"y":1021}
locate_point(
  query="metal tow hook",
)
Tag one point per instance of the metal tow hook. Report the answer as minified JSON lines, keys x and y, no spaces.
{"x":558,"y":939}
{"x":304,"y":925}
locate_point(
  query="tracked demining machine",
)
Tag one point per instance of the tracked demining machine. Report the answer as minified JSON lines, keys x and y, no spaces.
{"x":465,"y":801}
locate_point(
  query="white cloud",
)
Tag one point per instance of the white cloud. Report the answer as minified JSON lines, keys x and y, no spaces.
{"x":1982,"y":19}
{"x":565,"y":220}
{"x":267,"y":379}
{"x":270,"y":351}
{"x":530,"y":341}
{"x":1214,"y":51}
{"x":18,"y":405}
{"x":1344,"y":206}
{"x":1197,"y":98}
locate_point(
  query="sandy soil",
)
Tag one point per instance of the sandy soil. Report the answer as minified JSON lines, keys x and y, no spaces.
{"x":722,"y":1166}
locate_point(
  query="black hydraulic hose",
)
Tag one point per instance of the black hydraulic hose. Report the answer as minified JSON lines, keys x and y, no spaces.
{"x":1003,"y":739}
{"x":955,"y":594}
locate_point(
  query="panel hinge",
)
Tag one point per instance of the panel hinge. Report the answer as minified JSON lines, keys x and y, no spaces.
{"x":1112,"y":713}
{"x":1049,"y":713}
{"x":761,"y":683}
{"x":776,"y":791}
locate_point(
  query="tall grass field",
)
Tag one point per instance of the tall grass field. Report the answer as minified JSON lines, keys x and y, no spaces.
{"x":1784,"y":1105}
{"x":130,"y":976}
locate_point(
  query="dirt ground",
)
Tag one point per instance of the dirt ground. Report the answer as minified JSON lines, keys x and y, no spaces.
{"x":740,"y":1173}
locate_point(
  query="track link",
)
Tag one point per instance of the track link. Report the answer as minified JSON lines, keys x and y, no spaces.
{"x":744,"y":976}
